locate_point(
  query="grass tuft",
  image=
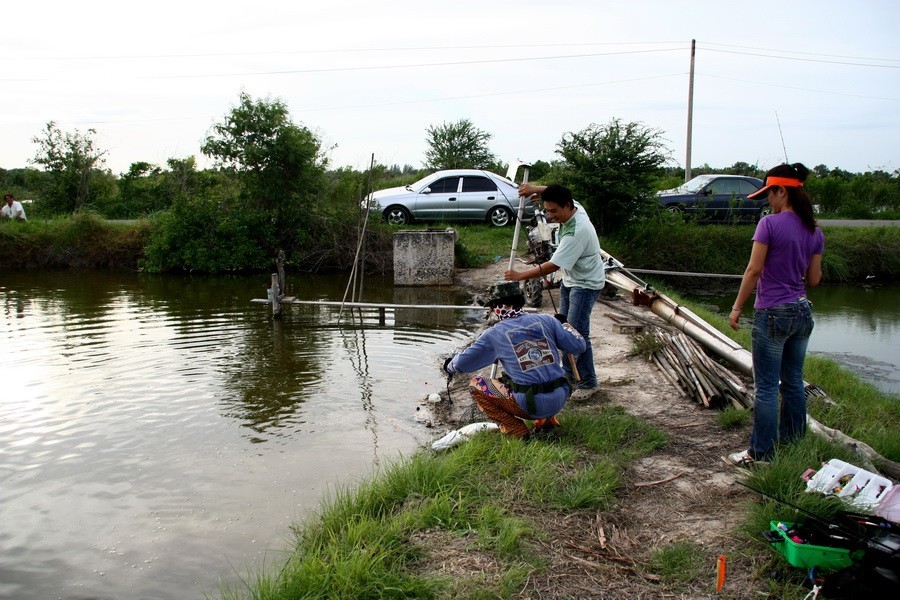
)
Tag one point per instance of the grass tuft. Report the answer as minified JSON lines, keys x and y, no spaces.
{"x":734,"y":418}
{"x":678,"y":562}
{"x":645,"y":344}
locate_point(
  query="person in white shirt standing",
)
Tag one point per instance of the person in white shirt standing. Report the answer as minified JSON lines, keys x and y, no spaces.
{"x":583,"y":272}
{"x":12,"y":209}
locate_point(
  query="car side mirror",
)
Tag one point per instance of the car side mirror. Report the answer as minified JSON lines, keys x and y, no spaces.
{"x":426,"y":191}
{"x":706,"y":192}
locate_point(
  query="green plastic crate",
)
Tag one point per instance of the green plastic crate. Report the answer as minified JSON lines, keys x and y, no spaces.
{"x":807,"y":556}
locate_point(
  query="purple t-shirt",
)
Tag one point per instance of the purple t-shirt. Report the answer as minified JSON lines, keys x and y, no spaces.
{"x":791,"y":247}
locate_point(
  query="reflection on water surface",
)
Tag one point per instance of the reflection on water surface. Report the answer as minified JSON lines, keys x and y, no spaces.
{"x":157,"y":431}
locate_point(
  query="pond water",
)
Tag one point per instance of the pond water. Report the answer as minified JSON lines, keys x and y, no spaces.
{"x":858,"y":326}
{"x":159,"y":435}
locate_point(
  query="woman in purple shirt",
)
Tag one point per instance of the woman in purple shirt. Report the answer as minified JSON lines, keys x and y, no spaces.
{"x":786,"y":257}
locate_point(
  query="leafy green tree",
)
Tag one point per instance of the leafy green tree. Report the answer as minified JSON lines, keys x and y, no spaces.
{"x":612,"y":169}
{"x":182,"y":175}
{"x":458,"y":145}
{"x":745,"y":169}
{"x":139,"y":191}
{"x":77,"y":177}
{"x":538,"y":170}
{"x":278,"y":165}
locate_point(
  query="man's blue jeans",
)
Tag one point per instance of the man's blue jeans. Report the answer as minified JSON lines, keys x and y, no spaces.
{"x":576,"y":304}
{"x":780,"y":337}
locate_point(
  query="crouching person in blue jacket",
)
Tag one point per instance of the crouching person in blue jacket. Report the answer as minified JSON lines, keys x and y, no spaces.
{"x":529,"y":347}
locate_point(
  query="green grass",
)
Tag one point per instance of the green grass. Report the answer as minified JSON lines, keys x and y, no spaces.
{"x":733,"y":418}
{"x":861,"y":410}
{"x":480,"y":496}
{"x":781,"y":490}
{"x":645,"y":344}
{"x":678,"y":562}
{"x":81,"y":240}
{"x":851,"y":253}
{"x":481,"y":245}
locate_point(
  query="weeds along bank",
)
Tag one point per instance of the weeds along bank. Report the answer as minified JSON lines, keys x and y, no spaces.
{"x":204,"y":241}
{"x":851,"y":253}
{"x":212,"y":242}
{"x":82,"y":240}
{"x":854,"y":406}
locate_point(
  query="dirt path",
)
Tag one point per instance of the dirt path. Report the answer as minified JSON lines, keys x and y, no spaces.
{"x":605,"y":554}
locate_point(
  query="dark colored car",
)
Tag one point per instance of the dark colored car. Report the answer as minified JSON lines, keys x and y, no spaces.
{"x":717,"y":198}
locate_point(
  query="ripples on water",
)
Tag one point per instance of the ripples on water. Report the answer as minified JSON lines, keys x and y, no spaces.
{"x":154,"y":431}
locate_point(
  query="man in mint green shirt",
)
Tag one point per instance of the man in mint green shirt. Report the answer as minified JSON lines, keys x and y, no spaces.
{"x":583,"y":272}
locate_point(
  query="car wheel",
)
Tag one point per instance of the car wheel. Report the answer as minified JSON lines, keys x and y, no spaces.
{"x":397,"y":215}
{"x":534,"y":292}
{"x":499,"y":216}
{"x":675,"y":210}
{"x":765,"y":210}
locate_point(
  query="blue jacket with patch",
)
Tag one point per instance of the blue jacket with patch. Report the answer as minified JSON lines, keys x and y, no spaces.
{"x":528,"y":347}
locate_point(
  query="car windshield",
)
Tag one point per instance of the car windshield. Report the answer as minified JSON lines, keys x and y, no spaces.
{"x":696,"y":184}
{"x":418,"y":185}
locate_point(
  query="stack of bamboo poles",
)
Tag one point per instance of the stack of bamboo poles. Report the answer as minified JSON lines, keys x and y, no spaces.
{"x":685,"y":364}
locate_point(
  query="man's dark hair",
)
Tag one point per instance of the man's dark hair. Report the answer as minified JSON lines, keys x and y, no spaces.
{"x":558,"y":194}
{"x":506,"y":292}
{"x":5,"y":196}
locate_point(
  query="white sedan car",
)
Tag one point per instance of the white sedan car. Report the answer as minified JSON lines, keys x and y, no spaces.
{"x":454,"y":195}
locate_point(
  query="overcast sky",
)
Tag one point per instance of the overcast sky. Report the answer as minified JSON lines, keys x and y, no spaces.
{"x":370,"y":77}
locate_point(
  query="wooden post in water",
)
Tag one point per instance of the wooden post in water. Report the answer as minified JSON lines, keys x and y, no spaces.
{"x":275,"y":297}
{"x":279,"y":267}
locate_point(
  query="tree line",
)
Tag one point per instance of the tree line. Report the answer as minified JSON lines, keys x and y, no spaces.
{"x":271,"y":187}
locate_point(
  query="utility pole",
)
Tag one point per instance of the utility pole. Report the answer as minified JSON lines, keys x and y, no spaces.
{"x":690,"y":123}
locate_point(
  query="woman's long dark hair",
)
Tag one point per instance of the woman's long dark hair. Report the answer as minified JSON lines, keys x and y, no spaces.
{"x":797,"y":196}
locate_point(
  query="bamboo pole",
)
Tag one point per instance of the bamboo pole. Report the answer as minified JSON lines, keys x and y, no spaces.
{"x":663,"y":365}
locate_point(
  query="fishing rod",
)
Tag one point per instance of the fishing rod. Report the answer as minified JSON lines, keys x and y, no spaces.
{"x":515,"y":242}
{"x":848,"y":533}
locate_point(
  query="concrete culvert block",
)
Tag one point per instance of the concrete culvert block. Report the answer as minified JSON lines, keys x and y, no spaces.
{"x":424,"y":257}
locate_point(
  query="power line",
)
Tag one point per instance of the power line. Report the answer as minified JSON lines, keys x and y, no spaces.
{"x":492,"y":94}
{"x":380,"y":104}
{"x":411,"y":66}
{"x":790,"y":87}
{"x":372,"y":67}
{"x":803,"y":53}
{"x":831,"y":62}
{"x":336,"y":51}
{"x":430,"y":48}
{"x":473,"y":96}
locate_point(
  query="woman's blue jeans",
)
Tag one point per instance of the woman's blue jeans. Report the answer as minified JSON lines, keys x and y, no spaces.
{"x":780,"y":337}
{"x":576,"y":304}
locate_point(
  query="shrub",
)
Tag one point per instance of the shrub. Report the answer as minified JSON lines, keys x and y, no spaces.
{"x":203,"y":234}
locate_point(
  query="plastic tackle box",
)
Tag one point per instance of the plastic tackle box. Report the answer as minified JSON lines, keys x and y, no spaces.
{"x":807,"y":556}
{"x":858,"y":487}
